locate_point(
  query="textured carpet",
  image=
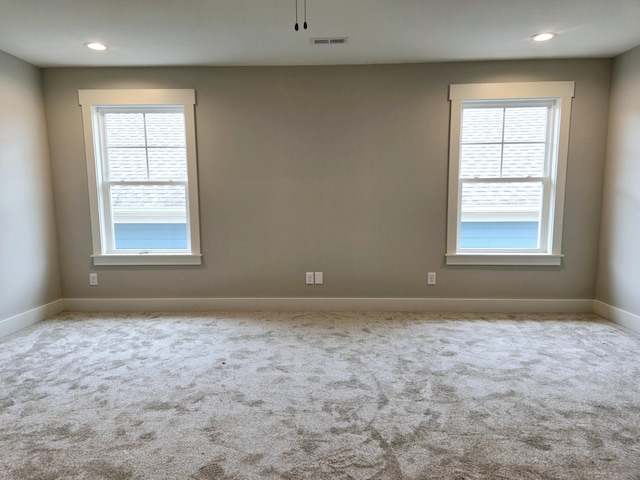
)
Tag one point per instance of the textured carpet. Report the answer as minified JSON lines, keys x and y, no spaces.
{"x":320,"y":396}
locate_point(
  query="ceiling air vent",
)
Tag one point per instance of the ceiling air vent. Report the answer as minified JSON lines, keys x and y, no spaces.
{"x":329,"y":41}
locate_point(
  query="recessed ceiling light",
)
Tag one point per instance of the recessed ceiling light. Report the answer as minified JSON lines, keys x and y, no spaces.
{"x":543,"y":37}
{"x":96,"y":46}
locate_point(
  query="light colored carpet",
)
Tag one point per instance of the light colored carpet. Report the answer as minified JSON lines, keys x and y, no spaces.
{"x":320,"y":396}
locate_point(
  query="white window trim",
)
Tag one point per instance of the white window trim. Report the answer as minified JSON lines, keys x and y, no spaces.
{"x":90,"y":100}
{"x":562,"y":92}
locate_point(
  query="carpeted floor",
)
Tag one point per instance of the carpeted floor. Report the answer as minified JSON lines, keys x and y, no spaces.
{"x":320,"y":396}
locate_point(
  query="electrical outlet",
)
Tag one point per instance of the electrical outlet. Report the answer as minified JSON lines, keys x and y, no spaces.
{"x":431,"y":278}
{"x":309,"y":278}
{"x":318,"y":278}
{"x":93,"y":279}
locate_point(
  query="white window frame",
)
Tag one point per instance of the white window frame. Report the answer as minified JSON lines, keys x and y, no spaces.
{"x":556,"y":94}
{"x":91,"y":102}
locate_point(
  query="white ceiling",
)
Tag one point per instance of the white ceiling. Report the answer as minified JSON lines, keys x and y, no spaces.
{"x":50,"y":33}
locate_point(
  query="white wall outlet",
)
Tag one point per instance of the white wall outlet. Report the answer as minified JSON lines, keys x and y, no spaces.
{"x":93,"y":279}
{"x":431,"y":278}
{"x":318,"y":278}
{"x":309,"y":278}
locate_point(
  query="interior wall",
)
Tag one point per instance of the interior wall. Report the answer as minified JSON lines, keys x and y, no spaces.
{"x":619,"y":264}
{"x":338,"y":169}
{"x":29,"y":269}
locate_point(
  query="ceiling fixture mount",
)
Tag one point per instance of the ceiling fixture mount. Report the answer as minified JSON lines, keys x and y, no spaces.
{"x":305,"y":15}
{"x":543,"y":37}
{"x":100,"y":47}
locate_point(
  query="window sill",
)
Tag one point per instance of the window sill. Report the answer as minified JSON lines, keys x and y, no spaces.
{"x":542,"y":259}
{"x":157,"y":259}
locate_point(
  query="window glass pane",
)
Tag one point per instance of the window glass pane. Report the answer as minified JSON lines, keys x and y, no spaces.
{"x":523,"y":160}
{"x":149,"y":199}
{"x":149,"y":216}
{"x":124,"y":129}
{"x":127,"y":164}
{"x":516,"y":234}
{"x":501,"y":194}
{"x":482,"y":125}
{"x":165,"y":129}
{"x":525,"y":124}
{"x":480,"y":161}
{"x":167,"y":164}
{"x":149,"y":236}
{"x":500,"y":215}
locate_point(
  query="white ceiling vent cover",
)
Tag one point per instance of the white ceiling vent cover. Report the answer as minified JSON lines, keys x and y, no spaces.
{"x":329,"y":41}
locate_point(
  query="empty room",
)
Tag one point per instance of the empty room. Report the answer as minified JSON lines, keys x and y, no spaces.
{"x":319,"y":239}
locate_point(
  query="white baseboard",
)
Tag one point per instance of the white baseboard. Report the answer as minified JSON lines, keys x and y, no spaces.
{"x":617,"y":315}
{"x":330,"y":304}
{"x":30,"y":317}
{"x":33,"y":316}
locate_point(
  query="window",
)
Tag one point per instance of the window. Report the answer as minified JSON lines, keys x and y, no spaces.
{"x":141,"y":167}
{"x":507,"y":168}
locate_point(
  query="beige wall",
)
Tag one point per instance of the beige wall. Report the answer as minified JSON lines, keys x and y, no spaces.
{"x":619,"y":265}
{"x":29,"y":274}
{"x":334,"y":169}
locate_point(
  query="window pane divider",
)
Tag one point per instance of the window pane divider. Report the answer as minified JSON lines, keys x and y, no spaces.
{"x":150,"y":147}
{"x":502,"y":179}
{"x":145,"y":182}
{"x":498,"y":143}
